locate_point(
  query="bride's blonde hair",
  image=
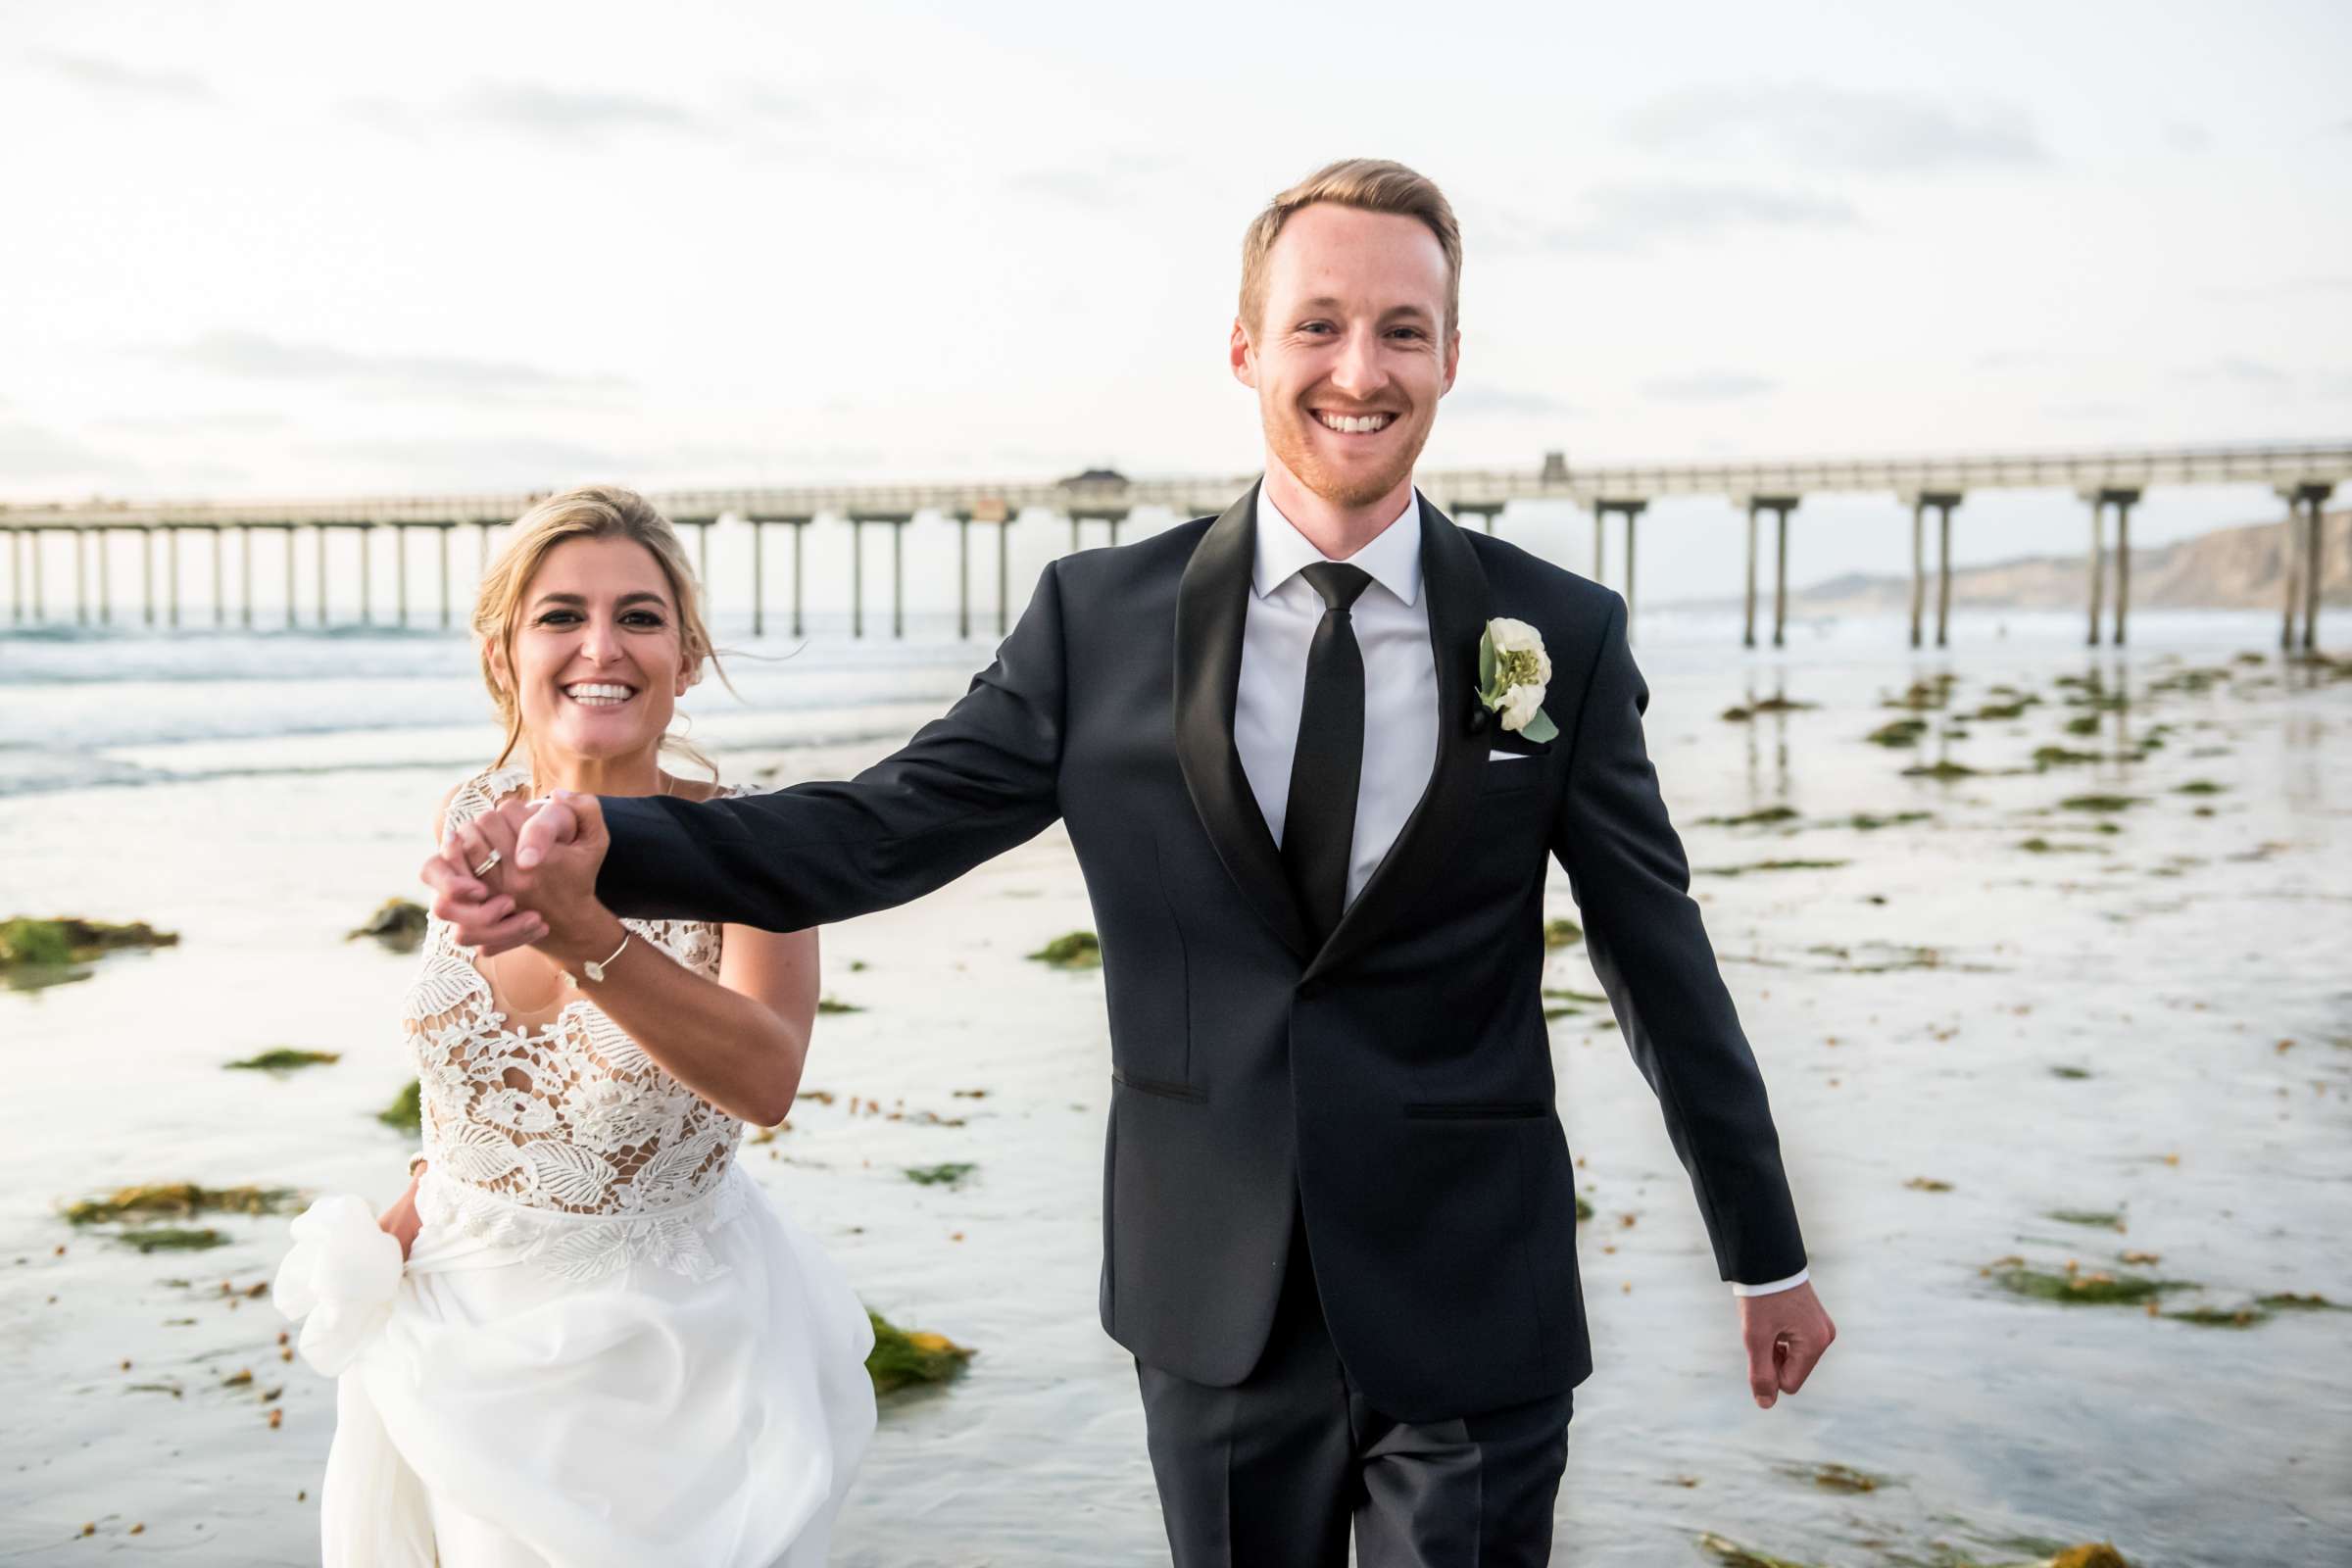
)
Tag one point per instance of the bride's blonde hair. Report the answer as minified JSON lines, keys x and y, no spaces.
{"x":591,"y":511}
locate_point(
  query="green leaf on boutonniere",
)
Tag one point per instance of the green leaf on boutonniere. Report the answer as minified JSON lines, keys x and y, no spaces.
{"x":1540,"y":728}
{"x":1486,"y":661}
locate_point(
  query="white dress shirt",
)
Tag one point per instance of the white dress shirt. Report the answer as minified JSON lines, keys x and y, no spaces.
{"x":1401,"y":690}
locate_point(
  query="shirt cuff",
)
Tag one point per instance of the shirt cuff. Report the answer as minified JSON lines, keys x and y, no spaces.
{"x":1788,"y":1284}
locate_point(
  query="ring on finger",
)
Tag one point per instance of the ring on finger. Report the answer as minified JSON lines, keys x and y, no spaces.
{"x":489,"y":864}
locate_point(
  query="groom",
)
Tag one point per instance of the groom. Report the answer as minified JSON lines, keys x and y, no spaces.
{"x":1340,"y":1214}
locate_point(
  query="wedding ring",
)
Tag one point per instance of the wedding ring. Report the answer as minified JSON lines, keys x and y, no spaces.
{"x":489,"y":866}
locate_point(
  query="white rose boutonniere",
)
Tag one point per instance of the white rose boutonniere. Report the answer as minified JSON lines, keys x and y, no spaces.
{"x":1513,"y":671}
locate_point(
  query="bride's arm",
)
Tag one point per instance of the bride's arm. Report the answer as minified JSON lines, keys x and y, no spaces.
{"x":738,"y":1041}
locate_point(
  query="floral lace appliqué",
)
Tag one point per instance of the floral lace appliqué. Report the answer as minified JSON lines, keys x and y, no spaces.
{"x":564,"y":1139}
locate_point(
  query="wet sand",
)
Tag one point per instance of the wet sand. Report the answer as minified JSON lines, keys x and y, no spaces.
{"x":2152,"y":1024}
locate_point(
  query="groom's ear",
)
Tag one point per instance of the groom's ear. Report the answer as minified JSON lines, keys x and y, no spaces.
{"x":1242,"y":356}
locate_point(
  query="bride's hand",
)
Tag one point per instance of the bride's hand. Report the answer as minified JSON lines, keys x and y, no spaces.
{"x":482,"y":912}
{"x":400,"y":1221}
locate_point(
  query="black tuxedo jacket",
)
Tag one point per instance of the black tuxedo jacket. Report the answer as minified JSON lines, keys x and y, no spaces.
{"x":1396,"y":1085}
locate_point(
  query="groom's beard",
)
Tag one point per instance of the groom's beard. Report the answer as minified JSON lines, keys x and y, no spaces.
{"x":1356,"y":484}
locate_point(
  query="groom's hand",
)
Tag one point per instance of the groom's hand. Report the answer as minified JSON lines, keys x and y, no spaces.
{"x":558,"y":849}
{"x":1785,"y":1334}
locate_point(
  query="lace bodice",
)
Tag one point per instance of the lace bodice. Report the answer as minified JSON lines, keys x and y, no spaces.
{"x":549,"y":1127}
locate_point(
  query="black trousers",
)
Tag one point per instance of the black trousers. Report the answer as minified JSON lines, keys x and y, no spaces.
{"x":1270,"y":1473}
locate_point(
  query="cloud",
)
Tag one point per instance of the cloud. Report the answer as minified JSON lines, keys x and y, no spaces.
{"x":524,"y":460}
{"x":1707,"y":386}
{"x":2241,"y":372}
{"x":2338,"y":284}
{"x":1837,"y":128}
{"x":196,"y":422}
{"x":572,"y":118}
{"x":2014,"y":359}
{"x":1479,"y":400}
{"x":2092,"y":410}
{"x":129,"y":81}
{"x":257,"y":357}
{"x":30,"y":452}
{"x":1080,"y":187}
{"x":2186,"y":136}
{"x":385,"y":114}
{"x":1631,"y":217}
{"x":781,"y":108}
{"x":1115,"y":179}
{"x":483,"y":462}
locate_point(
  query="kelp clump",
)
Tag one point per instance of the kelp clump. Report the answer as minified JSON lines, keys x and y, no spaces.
{"x":397,"y":923}
{"x":900,"y":1359}
{"x":179,"y":1200}
{"x":1078,"y":950}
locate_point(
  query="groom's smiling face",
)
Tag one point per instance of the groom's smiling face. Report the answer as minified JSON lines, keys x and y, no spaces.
{"x":1350,"y":351}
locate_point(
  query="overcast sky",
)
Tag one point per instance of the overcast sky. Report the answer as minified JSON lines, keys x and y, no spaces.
{"x":271,"y":250}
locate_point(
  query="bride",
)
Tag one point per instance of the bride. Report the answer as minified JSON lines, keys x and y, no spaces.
{"x":582,"y":1336}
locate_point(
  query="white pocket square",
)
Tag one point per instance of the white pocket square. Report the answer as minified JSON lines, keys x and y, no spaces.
{"x":1511,"y":757}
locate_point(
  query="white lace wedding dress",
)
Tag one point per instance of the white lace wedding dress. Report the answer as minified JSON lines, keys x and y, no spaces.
{"x":607,"y":1346}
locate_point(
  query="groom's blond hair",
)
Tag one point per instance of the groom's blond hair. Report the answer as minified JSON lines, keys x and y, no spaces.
{"x":1369,"y":185}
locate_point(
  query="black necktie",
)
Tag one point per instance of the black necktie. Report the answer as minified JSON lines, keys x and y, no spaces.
{"x":1318,"y":825}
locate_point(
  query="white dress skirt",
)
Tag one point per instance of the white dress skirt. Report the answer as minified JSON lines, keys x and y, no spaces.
{"x":496,"y":1414}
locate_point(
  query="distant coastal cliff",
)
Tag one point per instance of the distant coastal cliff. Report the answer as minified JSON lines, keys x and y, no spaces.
{"x":2229,"y":568}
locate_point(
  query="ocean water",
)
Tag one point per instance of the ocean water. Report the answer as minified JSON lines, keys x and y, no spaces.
{"x":2148,"y":1030}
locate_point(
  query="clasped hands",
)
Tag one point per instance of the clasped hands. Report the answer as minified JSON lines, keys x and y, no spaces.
{"x":525,"y":875}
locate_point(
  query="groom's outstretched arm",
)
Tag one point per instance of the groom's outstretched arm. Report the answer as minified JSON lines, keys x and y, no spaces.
{"x":971,"y":784}
{"x":1644,"y":934}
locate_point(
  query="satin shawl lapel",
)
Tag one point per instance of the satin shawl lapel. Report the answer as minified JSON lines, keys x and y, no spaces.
{"x":1212,"y":602}
{"x":1456,"y":591}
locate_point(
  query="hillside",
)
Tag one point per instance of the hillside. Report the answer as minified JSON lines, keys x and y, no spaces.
{"x":2229,"y":568}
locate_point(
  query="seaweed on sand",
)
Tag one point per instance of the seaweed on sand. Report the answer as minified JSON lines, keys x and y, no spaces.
{"x":1771,"y":865}
{"x":179,"y":1200}
{"x":1901,"y":732}
{"x":69,"y":938}
{"x":2079,"y":1287}
{"x":406,"y":1112}
{"x":38,"y":952}
{"x":1865,"y":822}
{"x":1834,"y":1476}
{"x":1734,"y":1556}
{"x":1759,"y":818}
{"x":397,"y":923}
{"x":900,"y":1359}
{"x":1943,"y":771}
{"x":285,"y":1058}
{"x":1562,"y":933}
{"x":949,"y":1174}
{"x":172,"y":1238}
{"x":1078,"y":950}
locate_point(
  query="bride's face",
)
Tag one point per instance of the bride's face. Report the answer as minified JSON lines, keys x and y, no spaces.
{"x":597,"y":662}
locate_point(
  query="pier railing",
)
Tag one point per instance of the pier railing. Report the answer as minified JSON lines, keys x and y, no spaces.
{"x":2303,"y":475}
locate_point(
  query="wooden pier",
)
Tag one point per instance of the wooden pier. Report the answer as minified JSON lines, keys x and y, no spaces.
{"x":2113,"y":481}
